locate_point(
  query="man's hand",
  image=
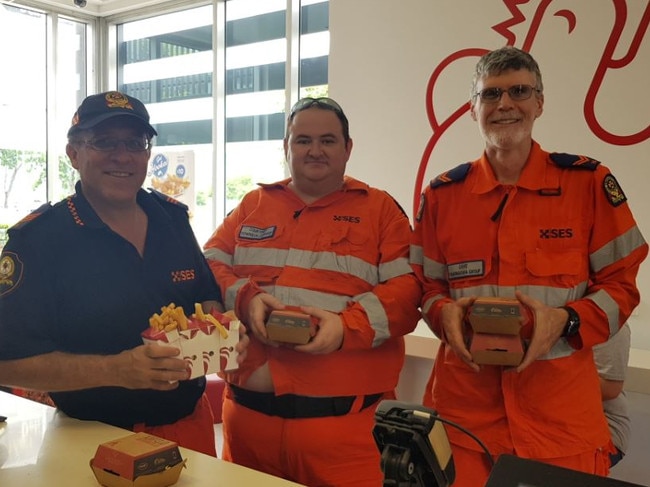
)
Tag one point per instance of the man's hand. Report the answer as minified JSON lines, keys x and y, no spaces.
{"x":242,"y":345}
{"x":329,"y":333}
{"x":452,"y":317}
{"x":259,"y":309}
{"x":548,"y":325}
{"x":151,"y":366}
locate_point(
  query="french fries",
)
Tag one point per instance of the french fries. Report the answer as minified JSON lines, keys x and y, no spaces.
{"x":199,"y":314}
{"x":207,"y":341}
{"x":173,"y":317}
{"x":170,"y":318}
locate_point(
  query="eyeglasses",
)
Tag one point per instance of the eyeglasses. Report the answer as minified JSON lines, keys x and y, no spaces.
{"x":516,"y":93}
{"x":133,"y":144}
{"x":322,"y":102}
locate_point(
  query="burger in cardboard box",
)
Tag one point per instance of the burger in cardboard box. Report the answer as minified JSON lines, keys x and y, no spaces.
{"x":207,"y":340}
{"x":137,"y":460}
{"x":495,"y":337}
{"x":290,"y":325}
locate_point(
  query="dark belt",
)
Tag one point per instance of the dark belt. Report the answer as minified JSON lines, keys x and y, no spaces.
{"x":292,"y":406}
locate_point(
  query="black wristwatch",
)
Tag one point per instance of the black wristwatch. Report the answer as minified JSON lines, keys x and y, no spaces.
{"x":572,"y":325}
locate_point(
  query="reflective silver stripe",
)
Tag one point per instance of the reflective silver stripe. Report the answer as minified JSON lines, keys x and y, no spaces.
{"x":552,"y":296}
{"x":427,"y":305}
{"x":376,"y":315}
{"x":416,"y":255}
{"x":559,"y":350}
{"x":617,"y":249}
{"x":369,"y":301}
{"x":218,"y":255}
{"x":394,"y":268}
{"x":231,"y":293}
{"x":306,"y":259}
{"x":299,"y":297}
{"x":609,"y":306}
{"x":258,"y":256}
{"x":433,"y":269}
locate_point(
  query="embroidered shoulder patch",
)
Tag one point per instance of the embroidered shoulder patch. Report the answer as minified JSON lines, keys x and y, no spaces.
{"x":11,"y":272}
{"x":168,"y":199}
{"x":418,"y":215}
{"x":613,"y":191}
{"x":33,"y":215}
{"x":571,"y":161}
{"x":457,"y":174}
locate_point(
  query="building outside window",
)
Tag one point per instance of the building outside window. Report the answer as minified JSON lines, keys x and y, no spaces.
{"x":168,"y":62}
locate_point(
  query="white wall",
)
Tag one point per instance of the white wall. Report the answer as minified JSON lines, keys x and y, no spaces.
{"x":383,"y":54}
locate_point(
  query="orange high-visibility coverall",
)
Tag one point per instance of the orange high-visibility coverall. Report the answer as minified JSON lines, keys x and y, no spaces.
{"x":346,"y":253}
{"x":564,"y":234}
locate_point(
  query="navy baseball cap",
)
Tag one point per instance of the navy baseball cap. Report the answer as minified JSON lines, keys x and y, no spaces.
{"x":98,"y":108}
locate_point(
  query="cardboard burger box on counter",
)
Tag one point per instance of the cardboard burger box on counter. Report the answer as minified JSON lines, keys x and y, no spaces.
{"x":137,"y":460}
{"x":496,"y":331}
{"x":207,"y":340}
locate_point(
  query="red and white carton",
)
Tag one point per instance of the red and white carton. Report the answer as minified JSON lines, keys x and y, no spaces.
{"x":205,"y":349}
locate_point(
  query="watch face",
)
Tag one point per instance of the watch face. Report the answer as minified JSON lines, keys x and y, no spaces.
{"x":573,"y":323}
{"x":572,"y":328}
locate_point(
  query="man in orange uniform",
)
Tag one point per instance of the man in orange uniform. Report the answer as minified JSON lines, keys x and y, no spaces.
{"x":339,"y":249}
{"x":553,"y":230}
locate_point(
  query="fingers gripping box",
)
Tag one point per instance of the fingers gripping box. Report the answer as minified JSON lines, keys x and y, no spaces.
{"x":137,"y":460}
{"x":207,"y":342}
{"x":496,"y":331}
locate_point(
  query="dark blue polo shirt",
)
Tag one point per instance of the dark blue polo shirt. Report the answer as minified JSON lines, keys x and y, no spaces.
{"x":69,"y":283}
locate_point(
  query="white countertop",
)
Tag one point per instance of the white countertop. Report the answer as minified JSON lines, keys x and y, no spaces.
{"x":41,"y":446}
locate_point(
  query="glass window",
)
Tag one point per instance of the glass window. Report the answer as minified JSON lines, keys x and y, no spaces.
{"x":256,"y":85}
{"x":23,"y":101}
{"x":256,"y":52}
{"x":167,"y":61}
{"x":36,"y":105}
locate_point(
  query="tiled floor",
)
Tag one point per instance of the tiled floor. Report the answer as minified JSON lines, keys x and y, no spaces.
{"x":635,"y":467}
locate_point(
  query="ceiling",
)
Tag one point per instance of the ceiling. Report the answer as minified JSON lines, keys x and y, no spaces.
{"x":100,"y":8}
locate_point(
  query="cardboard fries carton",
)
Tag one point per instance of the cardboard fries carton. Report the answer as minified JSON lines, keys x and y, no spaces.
{"x":205,"y":349}
{"x":137,"y":460}
{"x":290,"y":325}
{"x":496,"y":331}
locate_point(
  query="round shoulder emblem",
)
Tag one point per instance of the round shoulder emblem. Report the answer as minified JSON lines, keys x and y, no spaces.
{"x":613,"y":191}
{"x":11,"y":271}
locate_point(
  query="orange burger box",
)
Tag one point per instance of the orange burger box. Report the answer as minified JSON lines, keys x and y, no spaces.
{"x":290,"y":325}
{"x":496,"y":325}
{"x":137,"y":460}
{"x":206,"y":347}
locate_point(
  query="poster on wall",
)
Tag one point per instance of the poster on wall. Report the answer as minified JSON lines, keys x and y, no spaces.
{"x":172,"y":173}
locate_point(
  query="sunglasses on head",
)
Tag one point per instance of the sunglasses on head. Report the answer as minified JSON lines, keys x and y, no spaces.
{"x":309,"y":102}
{"x":516,"y":93}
